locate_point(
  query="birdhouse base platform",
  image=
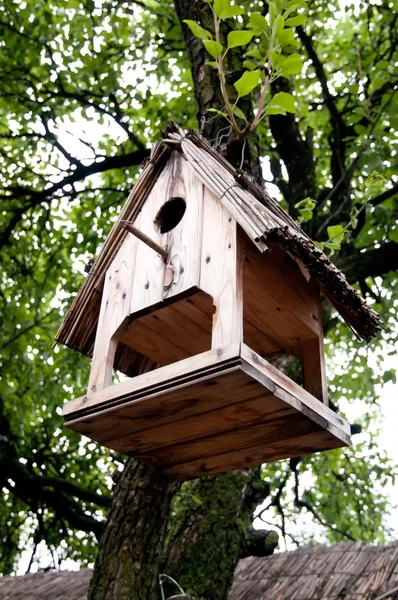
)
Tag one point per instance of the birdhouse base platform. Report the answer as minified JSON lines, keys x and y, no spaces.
{"x":221,"y":410}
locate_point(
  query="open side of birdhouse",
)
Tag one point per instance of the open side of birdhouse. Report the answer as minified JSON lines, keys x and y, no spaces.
{"x":191,"y":305}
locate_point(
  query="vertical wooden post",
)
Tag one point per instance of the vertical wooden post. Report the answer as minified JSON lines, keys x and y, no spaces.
{"x":222,"y":271}
{"x":115,"y":307}
{"x":313,"y":364}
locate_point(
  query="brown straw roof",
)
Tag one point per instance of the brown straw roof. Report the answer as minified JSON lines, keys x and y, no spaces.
{"x":259,"y":215}
{"x":346,"y":571}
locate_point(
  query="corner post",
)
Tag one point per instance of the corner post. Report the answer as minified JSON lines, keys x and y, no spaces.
{"x":222,"y":271}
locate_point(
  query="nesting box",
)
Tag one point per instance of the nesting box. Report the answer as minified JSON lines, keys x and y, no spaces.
{"x":203,"y":280}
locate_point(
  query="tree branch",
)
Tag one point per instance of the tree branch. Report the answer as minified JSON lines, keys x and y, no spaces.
{"x":32,"y":488}
{"x":384,"y":195}
{"x":337,"y":143}
{"x":33,"y":198}
{"x":357,"y":265}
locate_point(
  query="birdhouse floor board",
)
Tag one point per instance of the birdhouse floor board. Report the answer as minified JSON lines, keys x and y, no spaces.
{"x":252,"y":456}
{"x":220,"y":410}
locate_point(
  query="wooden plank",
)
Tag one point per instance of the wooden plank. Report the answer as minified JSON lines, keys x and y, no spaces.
{"x":184,"y":240}
{"x":221,"y":271}
{"x":278,"y":301}
{"x":276,"y":380}
{"x":170,"y":373}
{"x":269,"y":432}
{"x":115,"y":307}
{"x":254,"y":455}
{"x":170,"y":333}
{"x":199,"y":308}
{"x":227,"y":415}
{"x":227,"y":402}
{"x":261,"y":342}
{"x":313,"y":363}
{"x":150,"y":271}
{"x":159,"y":407}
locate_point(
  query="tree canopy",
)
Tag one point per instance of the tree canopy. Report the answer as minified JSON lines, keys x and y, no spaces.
{"x":84,"y":87}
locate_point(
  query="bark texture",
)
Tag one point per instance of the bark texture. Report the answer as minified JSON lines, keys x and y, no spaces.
{"x":130,"y":551}
{"x":210,"y":531}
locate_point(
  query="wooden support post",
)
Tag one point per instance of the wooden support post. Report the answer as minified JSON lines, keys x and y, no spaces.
{"x":222,"y":271}
{"x":115,"y":307}
{"x":313,"y":364}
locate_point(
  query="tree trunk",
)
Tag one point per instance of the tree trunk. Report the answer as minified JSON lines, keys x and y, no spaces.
{"x":210,"y":531}
{"x":130,"y":552}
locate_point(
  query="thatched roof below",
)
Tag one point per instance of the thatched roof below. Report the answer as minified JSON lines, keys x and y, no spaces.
{"x":342,"y":572}
{"x":345,"y":571}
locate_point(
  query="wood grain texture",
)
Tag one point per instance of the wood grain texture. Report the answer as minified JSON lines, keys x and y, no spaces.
{"x":272,"y":377}
{"x":171,"y":374}
{"x":278,"y":301}
{"x":150,"y":271}
{"x":115,"y":307}
{"x":203,"y":413}
{"x":314,"y":375}
{"x":221,"y":271}
{"x":184,"y":241}
{"x":254,"y":455}
{"x":238,"y":440}
{"x":172,"y":332}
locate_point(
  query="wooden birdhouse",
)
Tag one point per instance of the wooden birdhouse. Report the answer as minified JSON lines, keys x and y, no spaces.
{"x":202,"y":281}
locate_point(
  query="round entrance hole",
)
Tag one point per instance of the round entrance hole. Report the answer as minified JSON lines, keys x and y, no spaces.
{"x":170,"y":214}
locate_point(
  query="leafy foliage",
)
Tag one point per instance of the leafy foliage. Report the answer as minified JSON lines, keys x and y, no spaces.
{"x":273,"y":41}
{"x":83,"y":87}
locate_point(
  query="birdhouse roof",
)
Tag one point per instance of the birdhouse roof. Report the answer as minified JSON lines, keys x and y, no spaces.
{"x":260,"y":216}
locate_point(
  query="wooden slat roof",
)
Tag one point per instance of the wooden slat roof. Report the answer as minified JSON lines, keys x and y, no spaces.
{"x":259,"y":215}
{"x":347,"y":571}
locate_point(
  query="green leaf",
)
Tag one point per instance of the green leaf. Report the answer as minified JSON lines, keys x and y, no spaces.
{"x":248,"y":64}
{"x":239,"y":38}
{"x":258,"y":22}
{"x":336,"y":234}
{"x":239,"y":113}
{"x":219,"y":112}
{"x":277,"y":61}
{"x":273,"y":11}
{"x":360,"y":129}
{"x":247,"y":82}
{"x":295,"y":21}
{"x":306,"y":203}
{"x":198,"y":31}
{"x":286,"y":37}
{"x":292,"y":65}
{"x":254,"y":53}
{"x":212,"y":63}
{"x":213,"y":48}
{"x":278,"y":26}
{"x":233,"y":11}
{"x":225,"y":10}
{"x":294,"y":6}
{"x":306,"y":214}
{"x":274,"y":109}
{"x":332,"y":245}
{"x":285,"y":100}
{"x":197,"y":499}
